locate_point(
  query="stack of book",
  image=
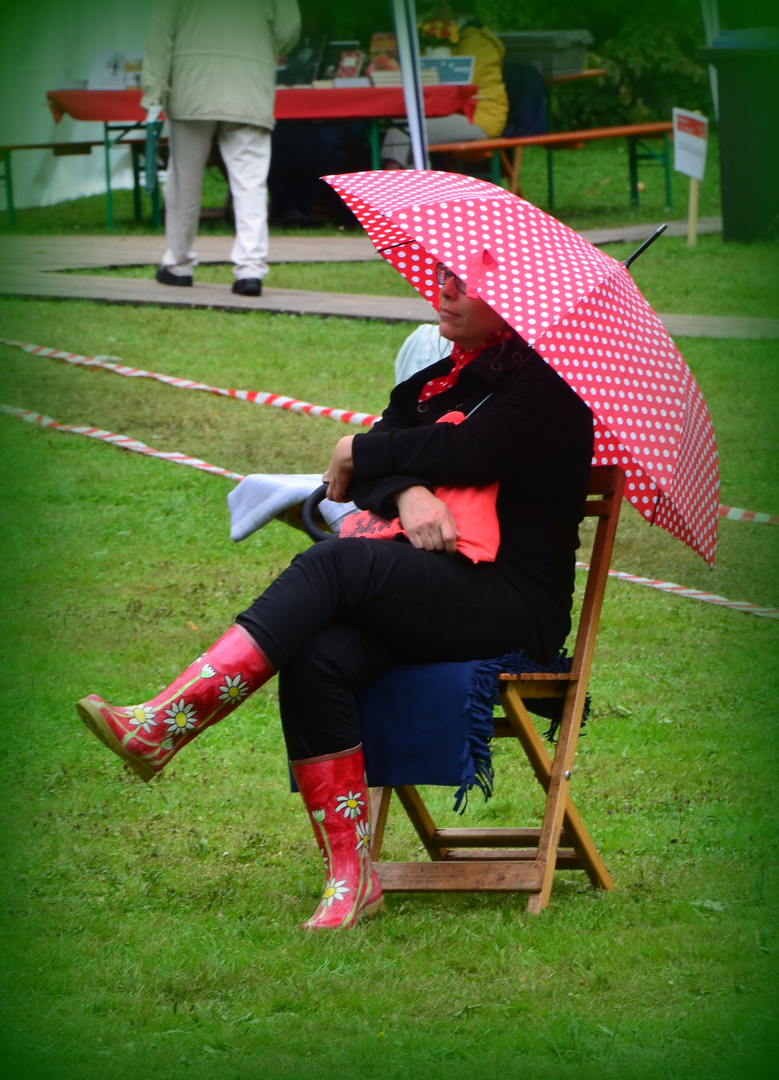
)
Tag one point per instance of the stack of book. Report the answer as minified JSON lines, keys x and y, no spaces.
{"x":331,"y":60}
{"x":383,"y":63}
{"x":430,"y":77}
{"x":349,"y":68}
{"x":386,"y":78}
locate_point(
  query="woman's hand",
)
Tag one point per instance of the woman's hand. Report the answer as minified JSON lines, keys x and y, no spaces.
{"x":427,"y":520}
{"x":340,"y":471}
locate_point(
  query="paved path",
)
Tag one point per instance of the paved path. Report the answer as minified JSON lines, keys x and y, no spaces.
{"x":28,"y":266}
{"x":82,"y":252}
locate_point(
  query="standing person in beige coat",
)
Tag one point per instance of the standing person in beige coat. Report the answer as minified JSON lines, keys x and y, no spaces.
{"x":212,"y":68}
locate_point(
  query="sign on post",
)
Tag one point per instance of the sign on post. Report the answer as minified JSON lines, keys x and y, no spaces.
{"x":691,"y":131}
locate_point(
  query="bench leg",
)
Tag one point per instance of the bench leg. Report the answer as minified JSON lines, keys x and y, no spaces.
{"x":136,"y":159}
{"x":109,"y":205}
{"x":633,"y":169}
{"x":373,"y":140}
{"x":10,"y":216}
{"x":648,"y":154}
{"x":495,"y":167}
{"x":512,"y":165}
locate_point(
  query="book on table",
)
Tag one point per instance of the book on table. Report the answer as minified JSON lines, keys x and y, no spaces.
{"x":350,"y":64}
{"x":115,"y":70}
{"x":301,"y":66}
{"x":383,"y":57}
{"x":331,"y":57}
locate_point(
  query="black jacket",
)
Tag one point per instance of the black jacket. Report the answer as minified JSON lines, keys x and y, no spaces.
{"x":534,"y":434}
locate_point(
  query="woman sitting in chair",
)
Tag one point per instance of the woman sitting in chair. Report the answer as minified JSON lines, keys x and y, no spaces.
{"x":347,"y":610}
{"x":492,"y":103}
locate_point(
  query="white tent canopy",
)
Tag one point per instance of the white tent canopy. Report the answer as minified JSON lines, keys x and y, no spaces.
{"x":48,"y":45}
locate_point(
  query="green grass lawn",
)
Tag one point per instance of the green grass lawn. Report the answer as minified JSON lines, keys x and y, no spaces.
{"x":153,"y":930}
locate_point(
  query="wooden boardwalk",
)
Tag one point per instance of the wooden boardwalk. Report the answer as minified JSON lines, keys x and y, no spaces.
{"x":82,"y":252}
{"x":29,"y":267}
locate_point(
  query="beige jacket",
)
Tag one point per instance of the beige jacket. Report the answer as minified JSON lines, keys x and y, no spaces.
{"x":216,"y":59}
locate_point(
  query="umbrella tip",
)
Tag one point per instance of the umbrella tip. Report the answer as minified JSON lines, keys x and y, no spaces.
{"x":640,"y":250}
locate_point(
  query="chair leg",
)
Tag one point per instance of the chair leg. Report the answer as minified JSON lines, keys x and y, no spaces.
{"x":418,"y":815}
{"x":421,"y":820}
{"x":557,"y":795}
{"x":380,"y":801}
{"x":541,"y":763}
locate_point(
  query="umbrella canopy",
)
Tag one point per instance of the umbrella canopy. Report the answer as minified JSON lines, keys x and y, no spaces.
{"x":580,"y":310}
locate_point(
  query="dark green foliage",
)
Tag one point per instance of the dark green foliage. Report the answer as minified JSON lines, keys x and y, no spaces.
{"x":649,"y":72}
{"x":648,"y":49}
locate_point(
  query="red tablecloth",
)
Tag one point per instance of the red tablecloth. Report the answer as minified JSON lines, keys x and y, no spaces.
{"x":114,"y":106}
{"x":370,"y":101}
{"x":108,"y":106}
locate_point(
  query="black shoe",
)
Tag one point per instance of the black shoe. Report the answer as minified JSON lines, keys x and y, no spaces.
{"x":248,"y":286}
{"x":165,"y":277}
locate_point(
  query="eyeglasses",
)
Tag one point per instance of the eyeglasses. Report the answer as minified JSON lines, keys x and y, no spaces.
{"x":442,"y":275}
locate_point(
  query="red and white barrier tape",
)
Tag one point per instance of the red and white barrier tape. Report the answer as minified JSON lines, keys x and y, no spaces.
{"x":259,"y":397}
{"x":692,"y":594}
{"x":255,"y":397}
{"x":735,"y":513}
{"x":124,"y":442}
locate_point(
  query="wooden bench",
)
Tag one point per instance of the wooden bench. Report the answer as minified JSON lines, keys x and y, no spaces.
{"x":62,"y":149}
{"x":499,"y":149}
{"x":7,"y":176}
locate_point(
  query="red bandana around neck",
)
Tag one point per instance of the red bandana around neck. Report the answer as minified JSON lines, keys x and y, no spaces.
{"x":460,"y":358}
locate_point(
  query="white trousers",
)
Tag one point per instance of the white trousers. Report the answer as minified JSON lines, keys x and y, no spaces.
{"x":246,"y":153}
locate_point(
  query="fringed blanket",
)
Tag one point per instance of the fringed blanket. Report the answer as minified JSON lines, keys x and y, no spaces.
{"x":432,"y":723}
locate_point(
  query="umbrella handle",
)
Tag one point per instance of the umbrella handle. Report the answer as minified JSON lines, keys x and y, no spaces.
{"x":307,"y":515}
{"x":639,"y":250}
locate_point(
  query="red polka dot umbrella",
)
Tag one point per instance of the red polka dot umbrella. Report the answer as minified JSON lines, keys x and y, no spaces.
{"x":580,"y":310}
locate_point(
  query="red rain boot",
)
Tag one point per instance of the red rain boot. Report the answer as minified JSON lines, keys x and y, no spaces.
{"x":335,"y":792}
{"x":147,"y":736}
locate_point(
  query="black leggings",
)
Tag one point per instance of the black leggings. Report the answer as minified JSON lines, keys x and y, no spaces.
{"x":346,"y":611}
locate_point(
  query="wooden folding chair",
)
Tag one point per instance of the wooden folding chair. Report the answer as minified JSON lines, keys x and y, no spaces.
{"x":515,"y":859}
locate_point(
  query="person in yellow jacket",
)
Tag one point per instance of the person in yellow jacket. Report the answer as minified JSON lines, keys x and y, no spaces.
{"x":212,"y":68}
{"x":492,"y":105}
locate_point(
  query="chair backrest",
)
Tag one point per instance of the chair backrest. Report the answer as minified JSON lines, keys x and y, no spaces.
{"x":606,"y":487}
{"x":607,"y":484}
